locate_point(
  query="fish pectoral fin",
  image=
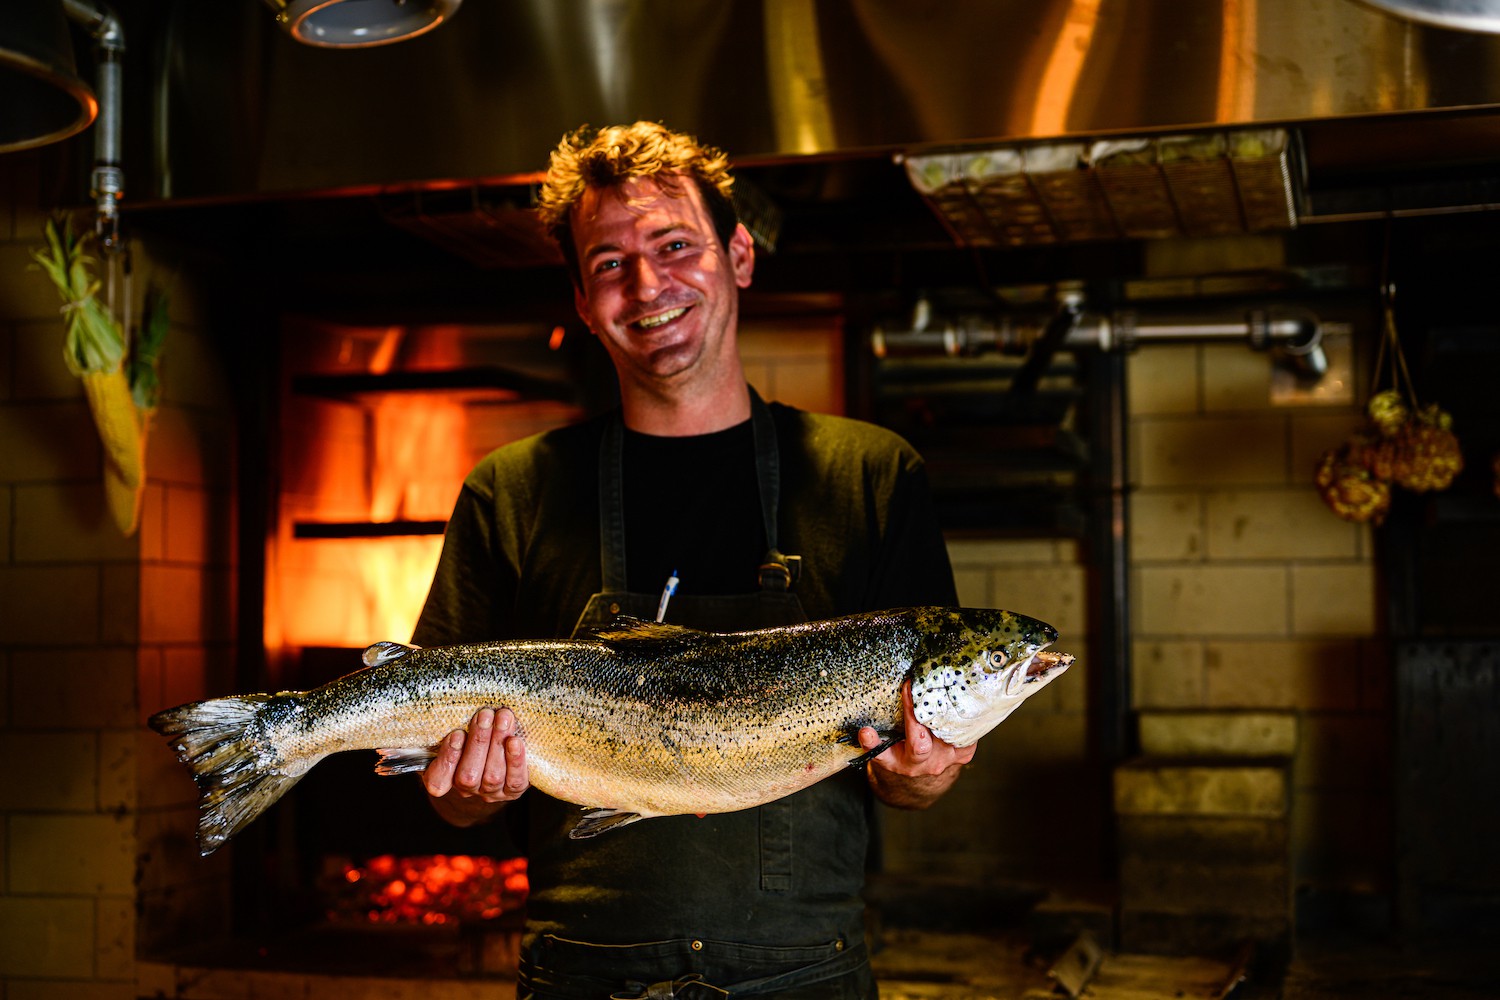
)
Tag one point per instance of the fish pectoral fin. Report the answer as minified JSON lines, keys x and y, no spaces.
{"x":404,"y":760}
{"x":596,"y":821}
{"x":888,"y":739}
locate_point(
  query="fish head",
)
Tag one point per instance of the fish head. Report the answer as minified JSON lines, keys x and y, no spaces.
{"x":976,"y":667}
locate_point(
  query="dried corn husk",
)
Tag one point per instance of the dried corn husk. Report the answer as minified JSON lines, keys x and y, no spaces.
{"x":94,"y":349}
{"x":121,"y":432}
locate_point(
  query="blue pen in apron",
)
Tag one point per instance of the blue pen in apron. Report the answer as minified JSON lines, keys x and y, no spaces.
{"x":666,"y":595}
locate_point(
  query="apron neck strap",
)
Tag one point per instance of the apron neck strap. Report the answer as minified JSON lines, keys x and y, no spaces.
{"x":777,"y":572}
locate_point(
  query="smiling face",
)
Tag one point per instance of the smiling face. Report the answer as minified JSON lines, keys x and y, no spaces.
{"x":658,"y":287}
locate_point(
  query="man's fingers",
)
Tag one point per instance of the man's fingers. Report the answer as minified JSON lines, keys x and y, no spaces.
{"x":439,"y":774}
{"x":516,"y":777}
{"x":918,"y":736}
{"x":471,"y":765}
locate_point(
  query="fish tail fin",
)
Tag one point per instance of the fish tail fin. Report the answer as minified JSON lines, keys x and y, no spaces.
{"x":238,"y":770}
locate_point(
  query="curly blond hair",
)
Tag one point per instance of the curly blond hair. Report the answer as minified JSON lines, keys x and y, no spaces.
{"x":608,"y":157}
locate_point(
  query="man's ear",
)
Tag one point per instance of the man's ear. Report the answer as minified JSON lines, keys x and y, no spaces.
{"x":742,"y":255}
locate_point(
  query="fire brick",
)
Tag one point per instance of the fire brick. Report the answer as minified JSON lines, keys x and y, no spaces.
{"x":1218,"y":734}
{"x":1202,"y":788}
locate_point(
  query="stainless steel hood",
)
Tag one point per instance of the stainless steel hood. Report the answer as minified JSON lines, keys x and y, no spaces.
{"x":243,"y":110}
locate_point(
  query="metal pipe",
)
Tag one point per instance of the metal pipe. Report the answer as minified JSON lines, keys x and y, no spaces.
{"x":107,"y":185}
{"x":1295,"y":336}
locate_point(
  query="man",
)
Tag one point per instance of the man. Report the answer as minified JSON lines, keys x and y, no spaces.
{"x":695,"y":477}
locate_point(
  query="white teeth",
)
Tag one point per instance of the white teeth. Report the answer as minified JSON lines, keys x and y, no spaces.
{"x":660,"y":318}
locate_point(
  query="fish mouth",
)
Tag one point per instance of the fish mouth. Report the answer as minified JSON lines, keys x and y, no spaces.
{"x":1044,"y":663}
{"x":660,"y":319}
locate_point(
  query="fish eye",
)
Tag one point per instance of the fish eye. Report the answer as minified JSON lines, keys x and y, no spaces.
{"x":995,"y":659}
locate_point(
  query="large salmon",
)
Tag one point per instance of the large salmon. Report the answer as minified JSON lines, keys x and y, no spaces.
{"x":636,"y":720}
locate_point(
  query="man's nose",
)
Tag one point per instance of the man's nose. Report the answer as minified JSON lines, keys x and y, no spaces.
{"x":645,"y":279}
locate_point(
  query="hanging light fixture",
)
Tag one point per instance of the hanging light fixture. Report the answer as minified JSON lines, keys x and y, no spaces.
{"x":350,"y":24}
{"x":42,"y":99}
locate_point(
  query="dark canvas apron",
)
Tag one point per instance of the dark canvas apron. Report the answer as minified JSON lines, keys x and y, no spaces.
{"x":686,"y":952}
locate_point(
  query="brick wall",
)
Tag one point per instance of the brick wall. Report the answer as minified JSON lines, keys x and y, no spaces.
{"x":1249,"y":594}
{"x":96,"y":630}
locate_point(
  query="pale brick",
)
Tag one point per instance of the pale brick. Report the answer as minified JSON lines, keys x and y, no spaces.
{"x":48,"y":441}
{"x":1313,"y":433}
{"x":1152,"y":787}
{"x":1180,"y":886}
{"x":1209,"y":452}
{"x":1162,"y":378}
{"x":1231,"y":839}
{"x":1283,"y":674}
{"x":116,"y":930}
{"x":66,"y":522}
{"x":1344,"y":753}
{"x":118,"y":773}
{"x":1276,"y":524}
{"x":84,"y":855}
{"x":819,"y":337}
{"x":70,"y":780}
{"x":1214,"y":260}
{"x":192,"y":372}
{"x":1335,"y":599}
{"x":1212,"y":600}
{"x":1166,"y":526}
{"x":1166,"y":675}
{"x":120,"y":604}
{"x":1055,"y":594}
{"x":190,"y":447}
{"x":49,"y":604}
{"x":41,"y":372}
{"x":46,"y":936}
{"x":1218,"y":734}
{"x":987,"y":552}
{"x":1235,"y":378}
{"x":973,"y":585}
{"x":809,"y":385}
{"x":75,"y":688}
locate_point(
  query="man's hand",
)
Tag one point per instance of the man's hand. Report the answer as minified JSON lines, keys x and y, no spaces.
{"x":916,"y":772}
{"x":476,"y":773}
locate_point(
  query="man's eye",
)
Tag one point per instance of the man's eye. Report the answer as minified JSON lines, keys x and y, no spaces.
{"x":606,"y":265}
{"x":675,"y":245}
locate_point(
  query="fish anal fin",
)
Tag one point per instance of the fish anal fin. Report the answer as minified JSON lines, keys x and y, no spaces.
{"x":382,"y":653}
{"x":596,"y":821}
{"x":404,"y":760}
{"x":888,"y":739}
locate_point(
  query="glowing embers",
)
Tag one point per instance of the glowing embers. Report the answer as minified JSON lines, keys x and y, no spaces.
{"x":431,"y":890}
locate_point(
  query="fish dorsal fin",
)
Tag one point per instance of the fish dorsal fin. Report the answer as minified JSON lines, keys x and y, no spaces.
{"x":385,"y":652}
{"x":624,"y":628}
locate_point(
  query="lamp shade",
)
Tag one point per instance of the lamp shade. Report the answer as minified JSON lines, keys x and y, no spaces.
{"x":347,"y":24}
{"x":42,"y":99}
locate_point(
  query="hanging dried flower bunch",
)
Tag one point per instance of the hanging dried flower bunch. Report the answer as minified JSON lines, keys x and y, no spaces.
{"x":1401,"y":443}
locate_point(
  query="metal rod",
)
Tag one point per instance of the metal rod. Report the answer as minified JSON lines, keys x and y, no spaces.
{"x":108,"y":182}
